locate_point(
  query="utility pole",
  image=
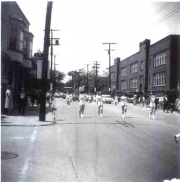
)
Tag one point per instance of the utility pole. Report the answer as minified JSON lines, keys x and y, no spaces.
{"x":54,"y":67}
{"x":96,"y":64}
{"x":109,"y":52}
{"x":54,"y":80}
{"x":42,"y":110}
{"x":51,"y":43}
{"x":87,"y":77}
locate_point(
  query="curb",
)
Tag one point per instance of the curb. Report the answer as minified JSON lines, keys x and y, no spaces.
{"x":35,"y":123}
{"x":28,"y":125}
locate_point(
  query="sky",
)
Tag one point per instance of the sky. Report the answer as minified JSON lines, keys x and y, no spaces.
{"x":85,"y":24}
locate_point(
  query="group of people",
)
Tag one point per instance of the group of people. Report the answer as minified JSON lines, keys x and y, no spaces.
{"x":9,"y":105}
{"x":99,"y":102}
{"x":23,"y":100}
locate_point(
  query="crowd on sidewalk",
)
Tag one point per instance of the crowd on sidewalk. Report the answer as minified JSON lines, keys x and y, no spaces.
{"x":23,"y":100}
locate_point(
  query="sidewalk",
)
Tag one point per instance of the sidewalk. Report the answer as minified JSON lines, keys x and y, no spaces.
{"x":31,"y":117}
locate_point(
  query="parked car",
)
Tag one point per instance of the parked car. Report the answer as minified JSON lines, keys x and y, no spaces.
{"x":130,"y":99}
{"x":107,"y":99}
{"x":56,"y":95}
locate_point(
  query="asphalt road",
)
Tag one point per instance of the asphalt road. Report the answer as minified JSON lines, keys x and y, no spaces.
{"x":92,"y":149}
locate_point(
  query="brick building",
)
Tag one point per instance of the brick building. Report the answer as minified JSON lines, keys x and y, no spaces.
{"x":16,"y":49}
{"x":154,"y":68}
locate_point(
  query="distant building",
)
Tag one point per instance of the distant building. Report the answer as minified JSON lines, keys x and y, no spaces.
{"x":16,"y":49}
{"x":155,"y":68}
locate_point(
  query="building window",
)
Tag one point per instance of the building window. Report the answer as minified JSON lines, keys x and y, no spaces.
{"x":21,"y":41}
{"x":159,"y":59}
{"x":159,"y":79}
{"x":133,"y":83}
{"x":134,"y":68}
{"x":124,"y":71}
{"x":13,"y":38}
{"x":30,"y":50}
{"x":142,"y":65}
{"x":25,"y":51}
{"x":123,"y":84}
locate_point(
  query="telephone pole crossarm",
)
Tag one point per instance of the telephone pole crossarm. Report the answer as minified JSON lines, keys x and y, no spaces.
{"x":109,"y":53}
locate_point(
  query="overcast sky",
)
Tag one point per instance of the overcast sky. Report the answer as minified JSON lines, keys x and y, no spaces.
{"x":85,"y":24}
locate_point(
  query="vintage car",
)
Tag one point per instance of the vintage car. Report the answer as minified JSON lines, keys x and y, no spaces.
{"x":107,"y":99}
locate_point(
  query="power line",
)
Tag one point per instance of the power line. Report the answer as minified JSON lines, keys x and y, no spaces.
{"x":167,"y":16}
{"x":159,"y":10}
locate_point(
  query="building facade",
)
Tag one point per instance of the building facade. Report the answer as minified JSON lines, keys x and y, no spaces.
{"x":16,"y":49}
{"x":154,"y":68}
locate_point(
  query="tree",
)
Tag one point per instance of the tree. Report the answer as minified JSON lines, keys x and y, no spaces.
{"x":57,"y":81}
{"x":77,"y":79}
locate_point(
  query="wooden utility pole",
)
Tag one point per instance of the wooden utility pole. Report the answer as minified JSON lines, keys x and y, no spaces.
{"x":87,"y":77}
{"x":109,"y":52}
{"x":96,"y":64}
{"x":52,"y":44}
{"x":42,"y":111}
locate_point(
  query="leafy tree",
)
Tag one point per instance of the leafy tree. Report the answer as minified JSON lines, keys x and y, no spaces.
{"x":77,"y":79}
{"x":58,"y":78}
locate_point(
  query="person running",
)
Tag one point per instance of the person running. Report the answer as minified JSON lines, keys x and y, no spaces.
{"x":100,"y":103}
{"x":81,"y":105}
{"x":176,"y":137}
{"x":152,"y":106}
{"x":123,"y":103}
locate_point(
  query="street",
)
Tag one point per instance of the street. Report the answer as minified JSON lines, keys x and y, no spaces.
{"x":92,"y":149}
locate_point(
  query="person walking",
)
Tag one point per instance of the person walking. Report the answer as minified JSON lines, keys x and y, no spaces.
{"x":81,"y":105}
{"x":100,"y":103}
{"x":156,"y":103}
{"x":123,"y":103}
{"x":165,"y":103}
{"x":48,"y":98}
{"x":8,"y":100}
{"x":22,"y":102}
{"x":152,"y":106}
{"x":68,"y":99}
{"x":140,"y":101}
{"x":116,"y":100}
{"x":143,"y":101}
{"x":178,"y":105}
{"x":176,"y":138}
{"x":33,"y":97}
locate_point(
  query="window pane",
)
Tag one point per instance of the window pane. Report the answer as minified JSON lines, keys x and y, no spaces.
{"x":13,"y":38}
